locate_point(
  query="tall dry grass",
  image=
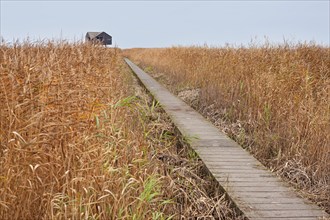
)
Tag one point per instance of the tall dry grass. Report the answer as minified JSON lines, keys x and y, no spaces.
{"x":70,"y":149}
{"x":275,"y":97}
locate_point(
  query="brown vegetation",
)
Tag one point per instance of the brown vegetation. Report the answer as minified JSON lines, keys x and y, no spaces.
{"x":75,"y":142}
{"x":273,"y":100}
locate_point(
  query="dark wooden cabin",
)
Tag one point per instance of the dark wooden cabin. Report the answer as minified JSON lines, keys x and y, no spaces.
{"x":98,"y":37}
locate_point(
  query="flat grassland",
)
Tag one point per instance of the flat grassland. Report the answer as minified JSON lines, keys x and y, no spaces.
{"x":78,"y":142}
{"x":273,"y":100}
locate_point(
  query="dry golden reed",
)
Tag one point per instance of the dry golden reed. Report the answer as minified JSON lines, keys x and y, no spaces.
{"x":278,"y":95}
{"x":68,"y":150}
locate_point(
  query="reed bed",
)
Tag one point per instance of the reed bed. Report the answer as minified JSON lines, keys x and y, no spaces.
{"x":66,"y":148}
{"x":272,"y":99}
{"x":78,"y":142}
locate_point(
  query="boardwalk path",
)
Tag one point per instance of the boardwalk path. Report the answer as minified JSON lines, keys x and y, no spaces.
{"x":257,"y":192}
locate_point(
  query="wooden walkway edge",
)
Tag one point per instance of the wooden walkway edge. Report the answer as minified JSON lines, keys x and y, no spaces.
{"x":257,"y":192}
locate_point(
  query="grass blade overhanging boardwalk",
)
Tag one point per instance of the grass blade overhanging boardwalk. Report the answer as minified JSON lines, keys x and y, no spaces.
{"x":254,"y":189}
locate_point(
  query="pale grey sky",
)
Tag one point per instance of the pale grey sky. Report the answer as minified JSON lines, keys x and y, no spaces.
{"x":167,"y":23}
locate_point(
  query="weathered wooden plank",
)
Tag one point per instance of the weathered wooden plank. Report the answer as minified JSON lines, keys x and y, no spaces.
{"x":243,"y":181}
{"x":286,"y":213}
{"x":222,"y":154}
{"x":267,"y":200}
{"x":232,"y":168}
{"x":263,"y":194}
{"x":246,"y":183}
{"x":224,"y":149}
{"x":232,"y":162}
{"x":263,"y":180}
{"x":277,"y":206}
{"x":229,"y":161}
{"x":255,"y":190}
{"x":228,"y":171}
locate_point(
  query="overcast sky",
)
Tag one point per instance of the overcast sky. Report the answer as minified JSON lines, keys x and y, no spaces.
{"x":168,"y":23}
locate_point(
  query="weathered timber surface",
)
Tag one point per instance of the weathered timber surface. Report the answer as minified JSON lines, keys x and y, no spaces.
{"x":257,"y":192}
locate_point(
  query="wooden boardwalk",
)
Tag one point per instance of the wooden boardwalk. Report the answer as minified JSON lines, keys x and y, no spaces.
{"x":257,"y":192}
